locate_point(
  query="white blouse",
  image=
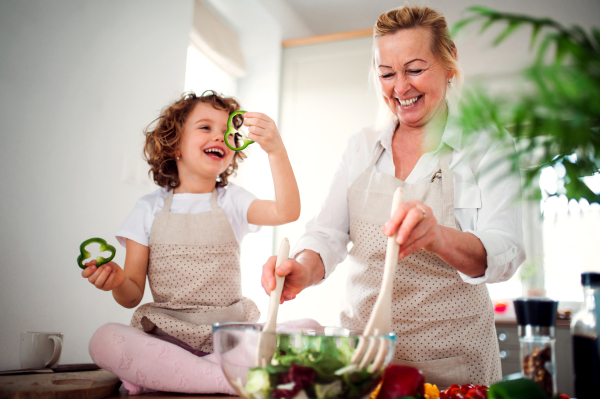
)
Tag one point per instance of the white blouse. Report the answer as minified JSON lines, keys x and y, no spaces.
{"x":486,"y":196}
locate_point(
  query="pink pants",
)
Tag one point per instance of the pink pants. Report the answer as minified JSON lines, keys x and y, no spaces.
{"x":147,"y":363}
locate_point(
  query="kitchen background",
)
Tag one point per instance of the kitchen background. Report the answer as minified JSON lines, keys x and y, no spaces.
{"x":81,"y":79}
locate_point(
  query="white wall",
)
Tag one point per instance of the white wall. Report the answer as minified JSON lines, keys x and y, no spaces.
{"x":326,"y":98}
{"x":79,"y":80}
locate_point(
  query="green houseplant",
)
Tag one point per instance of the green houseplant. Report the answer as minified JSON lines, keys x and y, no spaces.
{"x":556,"y":121}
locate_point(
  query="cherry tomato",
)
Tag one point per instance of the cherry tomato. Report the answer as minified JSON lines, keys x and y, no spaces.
{"x":560,"y":396}
{"x":456,"y":391}
{"x":466,"y":387}
{"x":450,"y":387}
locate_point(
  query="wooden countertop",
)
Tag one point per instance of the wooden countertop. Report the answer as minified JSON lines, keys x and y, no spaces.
{"x":169,"y":395}
{"x":80,"y":384}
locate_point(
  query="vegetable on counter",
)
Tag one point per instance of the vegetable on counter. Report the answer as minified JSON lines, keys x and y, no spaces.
{"x":407,"y":383}
{"x":431,"y":391}
{"x":521,"y":388}
{"x":323,"y":371}
{"x":467,"y":391}
{"x":232,"y":131}
{"x":104,"y":246}
{"x":401,"y":381}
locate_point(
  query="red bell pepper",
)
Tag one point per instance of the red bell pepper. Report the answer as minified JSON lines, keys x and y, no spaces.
{"x":401,"y":381}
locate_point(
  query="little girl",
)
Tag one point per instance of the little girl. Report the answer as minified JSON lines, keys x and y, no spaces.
{"x":185,"y":237}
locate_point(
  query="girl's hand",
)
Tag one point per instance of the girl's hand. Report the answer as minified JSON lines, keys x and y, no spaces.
{"x":415,"y":227}
{"x":263,"y":130}
{"x":106,"y":277}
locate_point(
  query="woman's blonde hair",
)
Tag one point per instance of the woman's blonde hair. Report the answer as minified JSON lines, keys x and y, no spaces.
{"x":163,"y":137}
{"x":442,"y":46}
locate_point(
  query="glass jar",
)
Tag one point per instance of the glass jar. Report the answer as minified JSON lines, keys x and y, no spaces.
{"x":536,"y":318}
{"x":538,"y":357}
{"x":584,"y":330}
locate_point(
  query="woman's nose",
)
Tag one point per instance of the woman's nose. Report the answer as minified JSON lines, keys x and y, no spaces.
{"x":401,"y":85}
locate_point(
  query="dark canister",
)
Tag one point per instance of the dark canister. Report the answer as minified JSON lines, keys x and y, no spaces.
{"x":536,"y":319}
{"x":584,"y":330}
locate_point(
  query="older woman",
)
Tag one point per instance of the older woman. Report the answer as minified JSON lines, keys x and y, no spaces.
{"x":457,"y":230}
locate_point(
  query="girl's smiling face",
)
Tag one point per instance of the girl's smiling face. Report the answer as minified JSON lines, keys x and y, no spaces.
{"x":202,"y":150}
{"x":412,"y":81}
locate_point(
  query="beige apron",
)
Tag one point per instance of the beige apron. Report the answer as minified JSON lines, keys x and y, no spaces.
{"x":194,"y":275}
{"x":445,"y":327}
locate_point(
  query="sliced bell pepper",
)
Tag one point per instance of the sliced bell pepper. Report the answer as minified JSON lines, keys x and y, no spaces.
{"x":231,"y":131}
{"x":521,"y":388}
{"x":104,"y":246}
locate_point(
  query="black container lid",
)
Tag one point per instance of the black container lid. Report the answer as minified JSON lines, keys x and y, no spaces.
{"x":536,"y":311}
{"x":590,"y":279}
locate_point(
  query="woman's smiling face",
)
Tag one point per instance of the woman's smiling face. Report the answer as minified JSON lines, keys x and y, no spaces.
{"x":413,"y":82}
{"x":203,"y":152}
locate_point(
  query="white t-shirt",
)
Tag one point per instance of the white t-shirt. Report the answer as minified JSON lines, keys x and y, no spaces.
{"x":234,"y":200}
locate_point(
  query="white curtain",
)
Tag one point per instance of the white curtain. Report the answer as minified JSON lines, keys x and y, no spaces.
{"x":217,"y":41}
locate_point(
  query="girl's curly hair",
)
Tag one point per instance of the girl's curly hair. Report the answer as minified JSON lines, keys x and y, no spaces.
{"x":162,"y":140}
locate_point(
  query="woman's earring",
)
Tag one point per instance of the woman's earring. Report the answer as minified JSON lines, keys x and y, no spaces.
{"x":450,"y":82}
{"x":177,"y":158}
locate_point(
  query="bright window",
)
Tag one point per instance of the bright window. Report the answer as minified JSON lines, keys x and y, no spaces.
{"x":571,"y":244}
{"x":202,"y":74}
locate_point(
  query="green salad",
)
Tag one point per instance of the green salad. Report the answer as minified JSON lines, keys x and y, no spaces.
{"x":310,"y":367}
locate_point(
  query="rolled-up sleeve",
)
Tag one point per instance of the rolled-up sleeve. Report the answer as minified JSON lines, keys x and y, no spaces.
{"x":499,"y":223}
{"x":328,"y":234}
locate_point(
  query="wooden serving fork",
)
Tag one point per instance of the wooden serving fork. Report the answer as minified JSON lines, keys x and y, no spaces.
{"x":267,"y":341}
{"x":372,"y":349}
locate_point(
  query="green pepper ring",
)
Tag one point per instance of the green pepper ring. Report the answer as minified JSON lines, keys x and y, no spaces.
{"x":104,"y":246}
{"x":232,"y":130}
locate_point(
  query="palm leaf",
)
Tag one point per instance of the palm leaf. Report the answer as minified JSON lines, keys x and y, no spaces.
{"x":560,"y":114}
{"x":510,"y":28}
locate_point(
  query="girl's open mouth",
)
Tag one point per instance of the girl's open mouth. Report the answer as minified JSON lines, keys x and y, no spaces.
{"x":409,"y":103}
{"x":215,"y":153}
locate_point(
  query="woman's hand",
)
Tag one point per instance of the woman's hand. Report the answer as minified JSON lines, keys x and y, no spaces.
{"x":415,"y":227}
{"x":299,"y":274}
{"x":106,"y":277}
{"x":263,"y":130}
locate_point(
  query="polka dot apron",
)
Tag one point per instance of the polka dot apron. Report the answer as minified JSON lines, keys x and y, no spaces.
{"x":194,"y":276}
{"x":444,"y":326}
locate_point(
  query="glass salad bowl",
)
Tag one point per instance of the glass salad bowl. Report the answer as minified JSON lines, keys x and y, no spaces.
{"x":308,"y":363}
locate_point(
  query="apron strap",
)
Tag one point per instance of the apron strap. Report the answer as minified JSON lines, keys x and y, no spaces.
{"x":168,"y":202}
{"x":213,"y":200}
{"x":376,"y":157}
{"x":447,"y":188}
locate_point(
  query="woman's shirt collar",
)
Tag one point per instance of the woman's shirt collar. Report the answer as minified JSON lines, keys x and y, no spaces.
{"x":452,"y":135}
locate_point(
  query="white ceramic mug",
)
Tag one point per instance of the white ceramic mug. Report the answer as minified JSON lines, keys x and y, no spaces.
{"x":40,"y":349}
